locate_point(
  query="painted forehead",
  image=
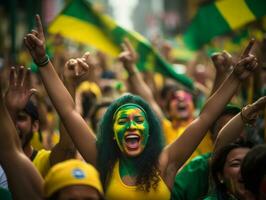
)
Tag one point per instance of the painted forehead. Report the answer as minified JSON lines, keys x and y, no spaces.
{"x":129,"y":107}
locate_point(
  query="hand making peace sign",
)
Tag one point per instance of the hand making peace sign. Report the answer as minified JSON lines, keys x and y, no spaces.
{"x":35,"y":42}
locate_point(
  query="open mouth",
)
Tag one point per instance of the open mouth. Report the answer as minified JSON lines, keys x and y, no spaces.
{"x":182,"y":108}
{"x":132,"y":141}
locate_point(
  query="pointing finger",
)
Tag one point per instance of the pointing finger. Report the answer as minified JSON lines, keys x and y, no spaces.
{"x":39,"y":24}
{"x":248,"y":48}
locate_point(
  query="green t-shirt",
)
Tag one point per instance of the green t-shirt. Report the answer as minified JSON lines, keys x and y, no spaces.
{"x":192,"y":182}
{"x":214,"y":197}
{"x":5,"y":194}
{"x":211,"y":197}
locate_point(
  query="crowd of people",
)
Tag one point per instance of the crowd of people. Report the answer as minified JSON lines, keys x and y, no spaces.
{"x":78,"y":129}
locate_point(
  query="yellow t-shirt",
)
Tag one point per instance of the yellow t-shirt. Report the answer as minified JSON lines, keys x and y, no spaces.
{"x":117,"y":190}
{"x":172,"y":134}
{"x":42,"y":161}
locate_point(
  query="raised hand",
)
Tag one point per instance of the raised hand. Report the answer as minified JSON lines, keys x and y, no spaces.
{"x":223,"y":62}
{"x":128,"y":56}
{"x":19,"y":90}
{"x":13,"y":160}
{"x":75,"y":69}
{"x":251,"y":112}
{"x":35,"y":42}
{"x":247,"y":63}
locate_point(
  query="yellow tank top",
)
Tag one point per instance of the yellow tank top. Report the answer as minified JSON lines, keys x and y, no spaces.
{"x":117,"y":190}
{"x":42,"y":162}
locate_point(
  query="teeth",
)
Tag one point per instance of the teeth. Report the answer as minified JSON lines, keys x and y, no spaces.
{"x":132,"y":137}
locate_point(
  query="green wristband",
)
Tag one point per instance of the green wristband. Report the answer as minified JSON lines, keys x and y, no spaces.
{"x":43,"y":62}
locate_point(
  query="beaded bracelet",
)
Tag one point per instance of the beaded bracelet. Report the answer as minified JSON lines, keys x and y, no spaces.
{"x":43,"y":62}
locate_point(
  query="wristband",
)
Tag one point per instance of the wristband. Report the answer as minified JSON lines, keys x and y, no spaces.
{"x":43,"y":62}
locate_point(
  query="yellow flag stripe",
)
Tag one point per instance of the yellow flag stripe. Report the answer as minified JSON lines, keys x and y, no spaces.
{"x":235,"y":12}
{"x":83,"y":32}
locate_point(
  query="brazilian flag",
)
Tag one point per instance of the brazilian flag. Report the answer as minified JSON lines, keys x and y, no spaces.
{"x":221,"y":17}
{"x":80,"y":22}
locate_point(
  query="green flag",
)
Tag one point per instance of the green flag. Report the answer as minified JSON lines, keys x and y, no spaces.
{"x":221,"y":17}
{"x":80,"y":22}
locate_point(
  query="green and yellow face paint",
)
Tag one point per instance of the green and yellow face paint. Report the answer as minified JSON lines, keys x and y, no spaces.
{"x":131,"y":129}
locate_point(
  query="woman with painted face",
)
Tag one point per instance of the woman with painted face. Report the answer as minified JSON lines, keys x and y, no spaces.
{"x":129,"y":152}
{"x":128,"y":157}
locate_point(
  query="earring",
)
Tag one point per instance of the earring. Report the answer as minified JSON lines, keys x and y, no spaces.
{"x":222,"y":181}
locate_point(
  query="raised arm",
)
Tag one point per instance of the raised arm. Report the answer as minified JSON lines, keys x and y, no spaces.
{"x":223,"y":64}
{"x":23,"y":179}
{"x":77,"y":128}
{"x":174,"y":155}
{"x":128,"y":57}
{"x":232,"y":130}
{"x":74,"y":70}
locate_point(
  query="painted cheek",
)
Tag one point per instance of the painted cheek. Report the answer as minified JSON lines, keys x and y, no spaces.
{"x":139,"y":126}
{"x":119,"y":131}
{"x":145,"y":132}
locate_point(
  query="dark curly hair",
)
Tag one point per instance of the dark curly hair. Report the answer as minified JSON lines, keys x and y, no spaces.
{"x":109,"y":152}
